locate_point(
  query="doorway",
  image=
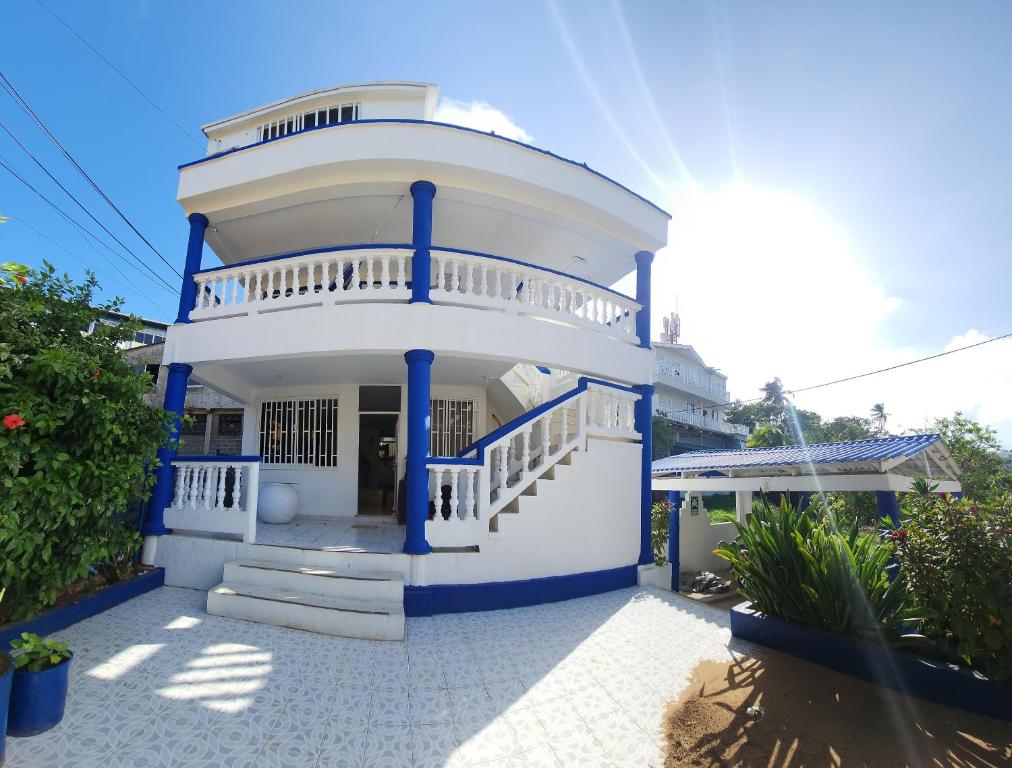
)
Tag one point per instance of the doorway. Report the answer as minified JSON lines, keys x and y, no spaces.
{"x":379,"y":410}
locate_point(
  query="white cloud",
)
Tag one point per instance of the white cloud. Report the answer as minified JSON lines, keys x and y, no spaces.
{"x":481,"y":116}
{"x":768,"y":286}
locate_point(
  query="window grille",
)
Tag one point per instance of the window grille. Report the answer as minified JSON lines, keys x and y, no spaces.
{"x":300,"y":431}
{"x":194,"y":426}
{"x":230,"y":425}
{"x":452,"y":425}
{"x":324,"y":115}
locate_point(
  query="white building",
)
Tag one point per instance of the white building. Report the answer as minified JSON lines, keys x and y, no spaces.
{"x":693,"y":397}
{"x":368,"y":391}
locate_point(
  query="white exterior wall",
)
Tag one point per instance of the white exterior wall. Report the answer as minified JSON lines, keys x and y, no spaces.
{"x":588,"y":522}
{"x":698,"y":537}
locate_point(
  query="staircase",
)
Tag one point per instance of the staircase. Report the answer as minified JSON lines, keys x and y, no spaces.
{"x":352,"y":594}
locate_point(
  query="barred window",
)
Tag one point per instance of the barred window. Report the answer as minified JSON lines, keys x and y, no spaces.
{"x":230,"y":424}
{"x":195,"y":425}
{"x":452,"y":425}
{"x":299,"y":431}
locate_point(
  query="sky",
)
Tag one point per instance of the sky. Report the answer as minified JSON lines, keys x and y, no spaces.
{"x":839,"y":174}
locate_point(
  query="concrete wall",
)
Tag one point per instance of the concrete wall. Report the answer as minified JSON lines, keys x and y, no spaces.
{"x":698,"y":537}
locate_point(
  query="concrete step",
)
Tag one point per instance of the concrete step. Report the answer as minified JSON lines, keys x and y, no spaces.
{"x":363,"y":619}
{"x":316,"y":580}
{"x":339,"y":561}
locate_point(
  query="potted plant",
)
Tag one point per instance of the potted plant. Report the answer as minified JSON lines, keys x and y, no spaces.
{"x":39,"y":690}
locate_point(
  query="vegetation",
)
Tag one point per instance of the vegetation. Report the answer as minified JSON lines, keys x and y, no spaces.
{"x":794,"y":563}
{"x":33,"y":654}
{"x":660,"y":528}
{"x":975,"y":447}
{"x":955,"y":555}
{"x":75,"y":440}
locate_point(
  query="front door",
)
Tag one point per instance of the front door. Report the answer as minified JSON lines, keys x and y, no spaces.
{"x":379,"y":410}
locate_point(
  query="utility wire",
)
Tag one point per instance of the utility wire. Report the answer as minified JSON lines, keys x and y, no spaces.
{"x":161,"y":282}
{"x":119,"y":72}
{"x":71,"y":195}
{"x":26,"y":108}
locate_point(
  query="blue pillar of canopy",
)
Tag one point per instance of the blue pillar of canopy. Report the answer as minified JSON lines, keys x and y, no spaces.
{"x":419,"y":386}
{"x":674,"y":529}
{"x":422,"y":193}
{"x":644,"y":425}
{"x":194,"y":253}
{"x":888,"y":506}
{"x":161,"y":493}
{"x":643,"y":261}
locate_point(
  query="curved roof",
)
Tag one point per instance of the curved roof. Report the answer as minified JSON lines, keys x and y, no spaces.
{"x":893,"y":454}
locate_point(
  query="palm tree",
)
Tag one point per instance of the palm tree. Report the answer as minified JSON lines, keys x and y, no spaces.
{"x":773,"y":392}
{"x":879,"y":416}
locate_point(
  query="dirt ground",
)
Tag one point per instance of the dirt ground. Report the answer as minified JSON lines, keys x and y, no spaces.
{"x":817,"y":717}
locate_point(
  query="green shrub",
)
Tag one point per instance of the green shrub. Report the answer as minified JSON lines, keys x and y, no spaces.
{"x":33,"y":654}
{"x":75,"y":437}
{"x":793,"y":563}
{"x":956,"y":557}
{"x":660,"y":528}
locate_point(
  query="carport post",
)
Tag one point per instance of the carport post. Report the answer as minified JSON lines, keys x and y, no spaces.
{"x":888,"y":506}
{"x":674,"y":523}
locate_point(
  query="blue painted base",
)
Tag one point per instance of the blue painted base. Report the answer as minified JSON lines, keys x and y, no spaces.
{"x":56,"y":619}
{"x":928,"y":679}
{"x":38,"y":699}
{"x":6,"y":677}
{"x":465,"y":598}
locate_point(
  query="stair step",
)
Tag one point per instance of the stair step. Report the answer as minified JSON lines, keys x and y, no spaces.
{"x":316,"y":580}
{"x":337,"y":560}
{"x":348,"y":617}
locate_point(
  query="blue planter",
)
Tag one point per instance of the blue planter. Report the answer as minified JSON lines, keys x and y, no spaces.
{"x":6,"y":675}
{"x":38,"y":699}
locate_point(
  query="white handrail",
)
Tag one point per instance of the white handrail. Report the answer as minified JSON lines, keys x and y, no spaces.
{"x":466,"y":495}
{"x":216,"y":495}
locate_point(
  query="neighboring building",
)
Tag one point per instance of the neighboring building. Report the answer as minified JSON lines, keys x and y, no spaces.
{"x":150,"y":332}
{"x":692,"y":396}
{"x":394,"y":290}
{"x":215,"y":424}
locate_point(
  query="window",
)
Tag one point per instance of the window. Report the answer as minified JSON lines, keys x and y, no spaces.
{"x":230,"y":425}
{"x":452,"y":425}
{"x":147,"y":337}
{"x":197,"y":425}
{"x":300,"y":431}
{"x":328,"y":115}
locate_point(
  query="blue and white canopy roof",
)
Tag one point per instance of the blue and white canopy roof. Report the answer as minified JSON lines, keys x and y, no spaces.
{"x":909,"y":455}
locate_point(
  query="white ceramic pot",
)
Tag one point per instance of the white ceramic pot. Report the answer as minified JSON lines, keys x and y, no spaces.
{"x":277,"y":503}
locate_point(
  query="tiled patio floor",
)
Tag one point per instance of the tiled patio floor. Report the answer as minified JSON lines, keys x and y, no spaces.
{"x":347,"y":534}
{"x":157,"y":682}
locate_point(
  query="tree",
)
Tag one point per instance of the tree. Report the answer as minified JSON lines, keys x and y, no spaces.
{"x":846,"y":428}
{"x":767,"y":436}
{"x":76,"y":436}
{"x":773,"y":392}
{"x":975,"y":447}
{"x":879,"y":417}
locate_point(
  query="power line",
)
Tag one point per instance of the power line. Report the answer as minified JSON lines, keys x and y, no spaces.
{"x":162,"y":283}
{"x":71,"y":195}
{"x":119,"y":72}
{"x":26,"y":108}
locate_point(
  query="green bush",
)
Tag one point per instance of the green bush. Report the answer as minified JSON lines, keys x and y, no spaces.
{"x":794,"y":563}
{"x":660,"y":528}
{"x":76,"y":435}
{"x":956,"y":557}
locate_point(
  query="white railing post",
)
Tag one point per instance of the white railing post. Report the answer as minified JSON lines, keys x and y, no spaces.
{"x":252,"y":491}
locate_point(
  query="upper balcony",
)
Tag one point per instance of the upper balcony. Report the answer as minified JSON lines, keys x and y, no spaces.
{"x":708,"y":387}
{"x":333,"y":169}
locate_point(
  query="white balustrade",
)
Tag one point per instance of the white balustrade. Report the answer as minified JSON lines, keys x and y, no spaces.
{"x":467,"y":493}
{"x":703,"y":422}
{"x":368,"y":274}
{"x":217,"y":495}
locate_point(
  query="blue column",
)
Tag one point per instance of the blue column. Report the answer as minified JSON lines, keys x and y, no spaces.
{"x":422,"y":193}
{"x":888,"y":506}
{"x":419,"y":374}
{"x":643,"y":262}
{"x":674,"y":531}
{"x":194,"y":251}
{"x":161,"y":493}
{"x":644,"y":425}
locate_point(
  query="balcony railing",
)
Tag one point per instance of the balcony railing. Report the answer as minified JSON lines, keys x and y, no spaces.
{"x":378,"y":274}
{"x":690,"y":383}
{"x":215,"y":494}
{"x":701,"y":422}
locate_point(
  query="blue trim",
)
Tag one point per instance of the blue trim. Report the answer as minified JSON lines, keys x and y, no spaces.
{"x":643,"y":415}
{"x":543,"y":369}
{"x":505,"y":429}
{"x":194,"y":252}
{"x":409,"y":246}
{"x":406,"y":121}
{"x":223,"y":457}
{"x":675,"y":538}
{"x":422,"y":193}
{"x":928,"y":679}
{"x":6,"y":678}
{"x":56,"y":619}
{"x":643,"y":261}
{"x":888,"y":506}
{"x":161,"y":493}
{"x":419,"y":363}
{"x":492,"y":596}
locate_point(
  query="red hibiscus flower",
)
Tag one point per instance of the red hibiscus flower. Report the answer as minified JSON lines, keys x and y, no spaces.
{"x":21,"y":279}
{"x":96,"y":374}
{"x":13,"y":421}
